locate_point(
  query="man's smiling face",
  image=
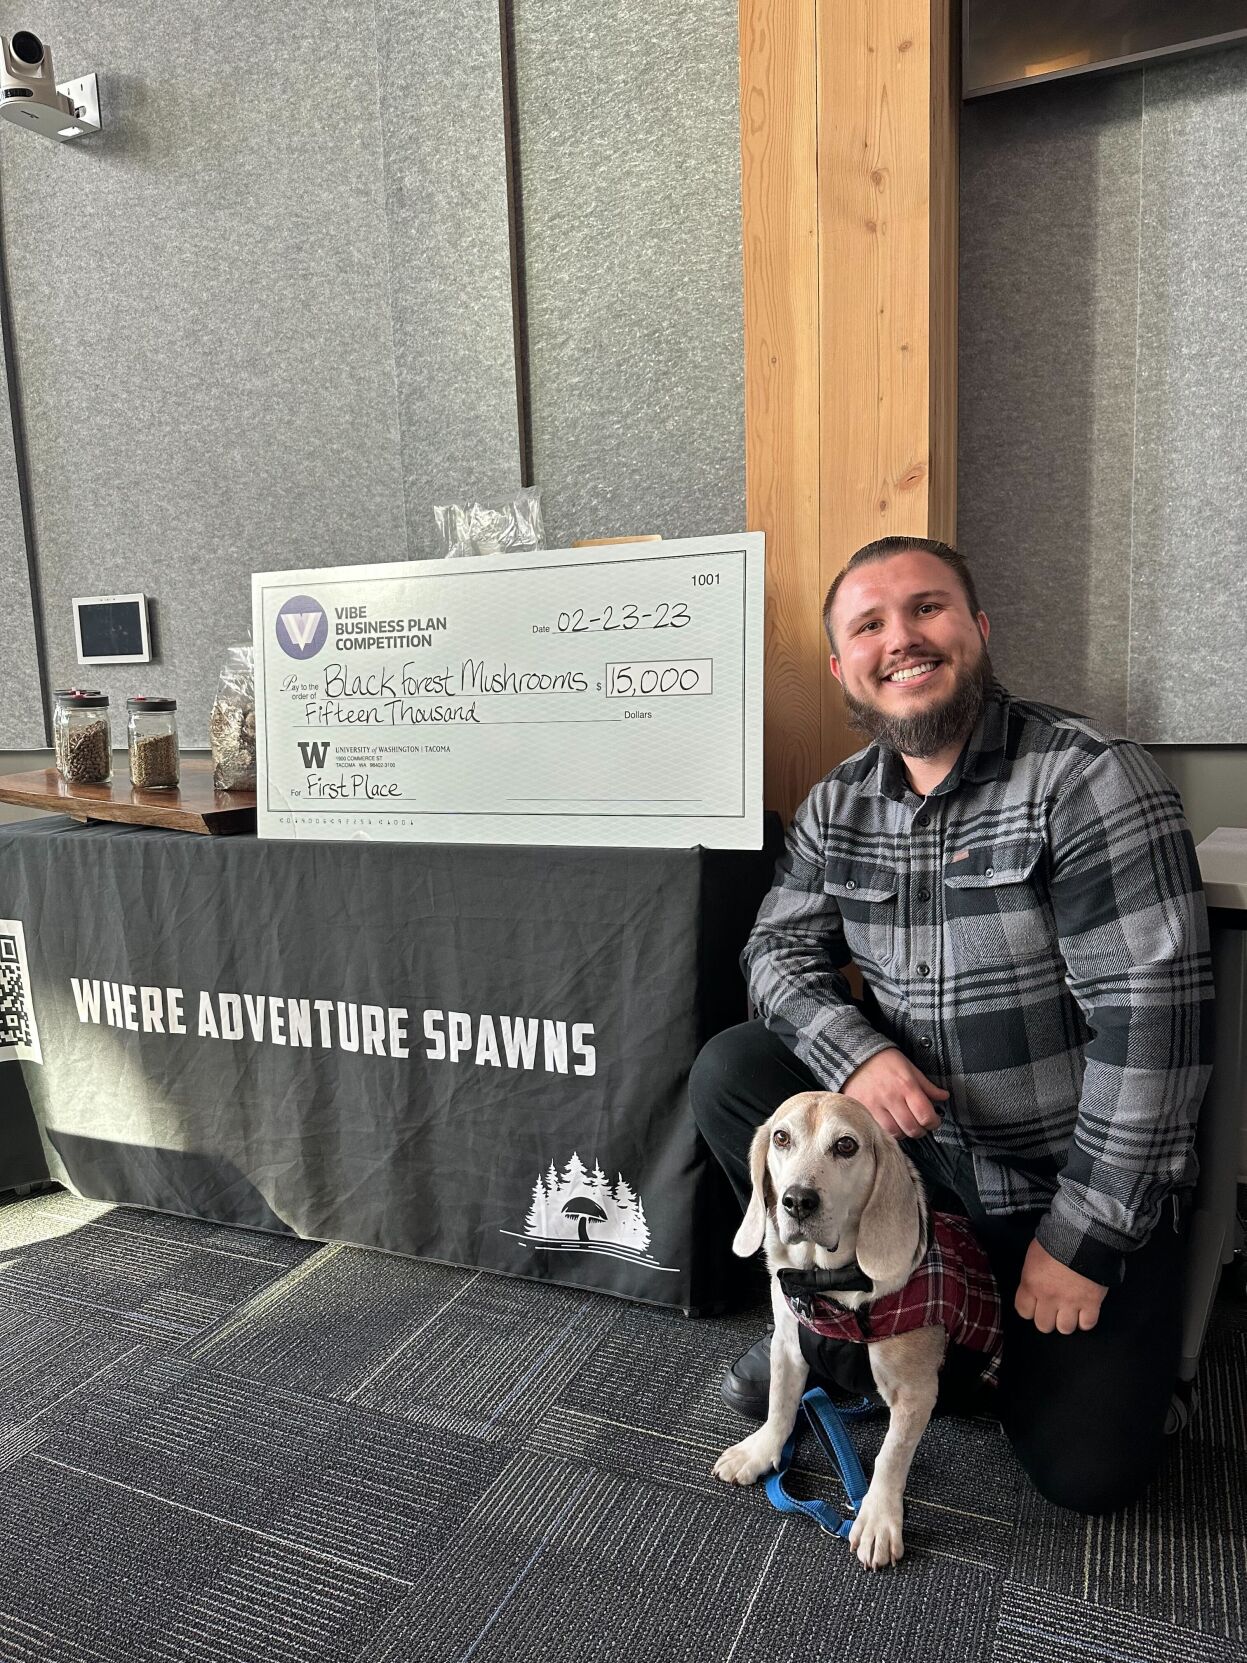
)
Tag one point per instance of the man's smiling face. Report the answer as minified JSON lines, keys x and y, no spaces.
{"x":909,"y":653}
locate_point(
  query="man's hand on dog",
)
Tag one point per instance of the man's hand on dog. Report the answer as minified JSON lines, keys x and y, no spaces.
{"x":1053,"y":1296}
{"x":898,"y":1097}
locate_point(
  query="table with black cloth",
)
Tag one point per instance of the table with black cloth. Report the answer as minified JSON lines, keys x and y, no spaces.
{"x":549,"y":1001}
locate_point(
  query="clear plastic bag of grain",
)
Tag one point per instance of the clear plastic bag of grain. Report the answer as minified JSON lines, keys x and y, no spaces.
{"x":231,"y":728}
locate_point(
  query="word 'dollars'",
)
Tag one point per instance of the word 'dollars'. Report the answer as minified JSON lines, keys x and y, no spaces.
{"x":523,"y":1042}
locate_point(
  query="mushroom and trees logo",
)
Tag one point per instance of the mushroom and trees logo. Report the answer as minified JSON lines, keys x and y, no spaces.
{"x":582,"y":1211}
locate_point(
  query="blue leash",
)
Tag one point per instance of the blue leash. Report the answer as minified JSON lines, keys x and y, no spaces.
{"x":827,"y":1424}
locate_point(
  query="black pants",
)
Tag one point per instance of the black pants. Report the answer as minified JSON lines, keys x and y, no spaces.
{"x":1085,"y":1412}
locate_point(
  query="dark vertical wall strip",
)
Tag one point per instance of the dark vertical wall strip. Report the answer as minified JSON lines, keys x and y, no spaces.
{"x":20,"y":701}
{"x":515,"y":222}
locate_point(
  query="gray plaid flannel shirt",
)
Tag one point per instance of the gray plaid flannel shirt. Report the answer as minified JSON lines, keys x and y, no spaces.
{"x":1033,"y":937}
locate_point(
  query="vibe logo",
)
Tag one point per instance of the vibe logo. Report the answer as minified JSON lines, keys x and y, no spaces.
{"x":313,"y":752}
{"x":302,"y":627}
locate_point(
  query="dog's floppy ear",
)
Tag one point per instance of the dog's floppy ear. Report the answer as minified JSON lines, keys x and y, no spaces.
{"x":753,"y":1226}
{"x":892,"y":1223}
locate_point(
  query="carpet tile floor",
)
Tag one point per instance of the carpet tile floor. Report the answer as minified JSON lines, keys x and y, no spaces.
{"x":221,"y":1446}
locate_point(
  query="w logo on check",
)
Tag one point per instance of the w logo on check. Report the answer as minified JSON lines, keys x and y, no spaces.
{"x":313,"y":752}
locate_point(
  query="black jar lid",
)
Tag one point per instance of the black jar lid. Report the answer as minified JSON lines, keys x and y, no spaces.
{"x":72,"y":692}
{"x":78,"y":700}
{"x":141,"y":702}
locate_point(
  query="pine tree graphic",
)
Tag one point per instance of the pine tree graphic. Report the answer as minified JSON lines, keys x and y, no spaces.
{"x":640,"y":1227}
{"x":535,"y":1223}
{"x":574,"y":1177}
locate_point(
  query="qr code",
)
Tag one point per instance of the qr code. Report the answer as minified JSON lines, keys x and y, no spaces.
{"x":15,"y":1026}
{"x":19,"y":1035}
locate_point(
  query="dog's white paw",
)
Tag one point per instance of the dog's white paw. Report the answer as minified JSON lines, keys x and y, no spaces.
{"x":746,"y":1461}
{"x":876,"y":1534}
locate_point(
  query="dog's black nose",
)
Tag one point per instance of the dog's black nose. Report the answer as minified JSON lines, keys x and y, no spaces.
{"x":799,"y":1203}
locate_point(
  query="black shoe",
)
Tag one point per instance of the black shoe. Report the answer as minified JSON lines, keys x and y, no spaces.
{"x":746,"y":1387}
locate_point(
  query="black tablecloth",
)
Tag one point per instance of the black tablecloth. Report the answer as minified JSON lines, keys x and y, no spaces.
{"x":476,"y":1055}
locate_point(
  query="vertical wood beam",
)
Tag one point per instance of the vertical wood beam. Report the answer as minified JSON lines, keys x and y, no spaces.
{"x":779,"y":191}
{"x":888,"y":241}
{"x":849,"y":195}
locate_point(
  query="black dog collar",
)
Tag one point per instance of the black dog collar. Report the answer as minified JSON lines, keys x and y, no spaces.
{"x":800,"y":1284}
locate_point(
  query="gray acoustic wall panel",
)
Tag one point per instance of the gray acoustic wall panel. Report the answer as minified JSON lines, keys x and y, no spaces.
{"x":206,"y":302}
{"x":450,"y":253}
{"x":201,"y":307}
{"x":1049,"y":237}
{"x":630,"y":182}
{"x":1103,"y":411}
{"x":1189,"y":611}
{"x":21,"y":705}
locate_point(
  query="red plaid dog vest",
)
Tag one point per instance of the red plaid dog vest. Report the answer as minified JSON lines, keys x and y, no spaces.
{"x":952,"y":1288}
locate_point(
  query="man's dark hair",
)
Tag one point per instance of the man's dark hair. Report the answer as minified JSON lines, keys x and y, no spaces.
{"x":882,"y":548}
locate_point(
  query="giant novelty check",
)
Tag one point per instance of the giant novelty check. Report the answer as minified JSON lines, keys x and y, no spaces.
{"x":584,"y":696}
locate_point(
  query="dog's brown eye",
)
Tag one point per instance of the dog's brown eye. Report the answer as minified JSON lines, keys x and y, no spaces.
{"x":844,"y":1147}
{"x":780,"y":1138}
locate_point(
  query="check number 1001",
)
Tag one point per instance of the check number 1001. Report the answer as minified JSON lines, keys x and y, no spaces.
{"x":654,"y":680}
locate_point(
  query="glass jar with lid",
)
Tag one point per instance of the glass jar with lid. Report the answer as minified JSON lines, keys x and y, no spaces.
{"x":82,"y":738}
{"x":153,"y":738}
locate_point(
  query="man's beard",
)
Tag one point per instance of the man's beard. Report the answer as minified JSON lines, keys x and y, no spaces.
{"x":930,"y":731}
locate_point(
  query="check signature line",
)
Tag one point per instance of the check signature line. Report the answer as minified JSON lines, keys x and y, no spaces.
{"x":680,"y":802}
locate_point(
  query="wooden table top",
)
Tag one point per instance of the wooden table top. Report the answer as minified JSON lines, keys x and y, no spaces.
{"x":196,"y":806}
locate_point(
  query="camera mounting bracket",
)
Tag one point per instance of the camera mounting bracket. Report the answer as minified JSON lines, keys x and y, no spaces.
{"x":84,"y":95}
{"x":76,"y":113}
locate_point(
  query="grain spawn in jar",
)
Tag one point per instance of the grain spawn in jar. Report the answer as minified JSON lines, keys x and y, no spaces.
{"x":152,"y":731}
{"x":59,"y":693}
{"x":82,"y":739}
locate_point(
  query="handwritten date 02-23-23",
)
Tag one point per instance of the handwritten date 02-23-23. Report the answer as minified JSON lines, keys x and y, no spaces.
{"x":662,"y":615}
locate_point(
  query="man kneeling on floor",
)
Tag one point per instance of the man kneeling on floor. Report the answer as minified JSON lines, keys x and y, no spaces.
{"x":1020,"y":893}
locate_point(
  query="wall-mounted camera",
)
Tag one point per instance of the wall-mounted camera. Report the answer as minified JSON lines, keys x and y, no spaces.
{"x":30,"y":97}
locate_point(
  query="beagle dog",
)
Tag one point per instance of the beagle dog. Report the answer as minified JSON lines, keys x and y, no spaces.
{"x":831,"y":1193}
